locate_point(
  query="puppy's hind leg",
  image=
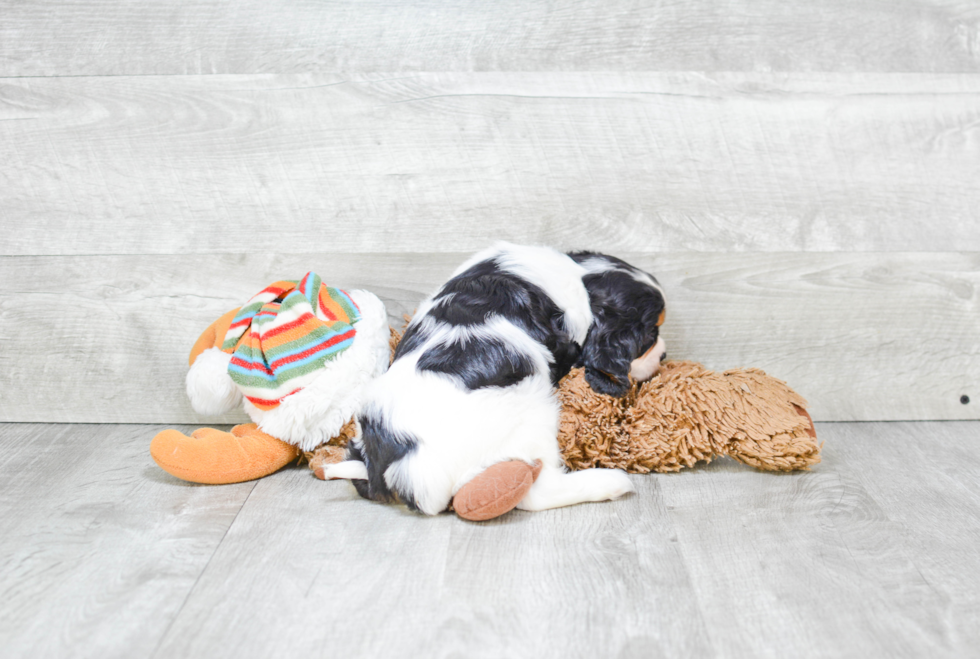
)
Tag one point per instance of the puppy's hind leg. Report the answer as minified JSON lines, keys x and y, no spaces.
{"x":555,"y":488}
{"x":346,"y":470}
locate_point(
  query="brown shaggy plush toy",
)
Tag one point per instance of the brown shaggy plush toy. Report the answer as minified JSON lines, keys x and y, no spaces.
{"x":683,"y":415}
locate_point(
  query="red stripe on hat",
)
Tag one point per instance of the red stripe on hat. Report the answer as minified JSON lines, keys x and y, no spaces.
{"x":278,"y":290}
{"x":342,"y":337}
{"x":251,"y":366}
{"x":300,"y":355}
{"x":322,"y":299}
{"x":315,"y":349}
{"x":264,"y":404}
{"x":275,"y":331}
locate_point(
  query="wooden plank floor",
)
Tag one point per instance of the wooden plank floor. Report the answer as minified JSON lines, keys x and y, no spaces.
{"x":873,"y":553}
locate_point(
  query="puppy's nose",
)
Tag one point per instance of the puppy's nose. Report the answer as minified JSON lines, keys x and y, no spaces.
{"x":663,"y":356}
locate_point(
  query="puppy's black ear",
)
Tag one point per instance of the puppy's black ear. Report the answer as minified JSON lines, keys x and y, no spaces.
{"x":627,"y":307}
{"x":607,"y":356}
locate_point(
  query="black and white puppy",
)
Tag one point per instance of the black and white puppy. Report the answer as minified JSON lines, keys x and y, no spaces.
{"x":472,"y":382}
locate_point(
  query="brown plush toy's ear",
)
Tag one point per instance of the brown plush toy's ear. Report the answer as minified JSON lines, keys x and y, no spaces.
{"x":812,"y":430}
{"x":213,"y":336}
{"x":496,"y":491}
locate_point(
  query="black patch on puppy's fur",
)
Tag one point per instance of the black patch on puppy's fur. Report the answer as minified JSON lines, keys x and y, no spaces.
{"x":625,"y":312}
{"x":476,"y":295}
{"x":379,"y":447}
{"x":478,"y":363}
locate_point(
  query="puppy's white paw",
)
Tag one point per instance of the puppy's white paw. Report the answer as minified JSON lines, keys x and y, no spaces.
{"x":619,"y":484}
{"x":607,"y":484}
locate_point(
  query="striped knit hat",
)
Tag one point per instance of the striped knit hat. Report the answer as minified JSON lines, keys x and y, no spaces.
{"x":283,"y":336}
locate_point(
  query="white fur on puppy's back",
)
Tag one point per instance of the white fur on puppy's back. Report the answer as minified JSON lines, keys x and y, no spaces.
{"x":558,"y":276}
{"x":461,"y":432}
{"x":553,"y":272}
{"x":598,"y":264}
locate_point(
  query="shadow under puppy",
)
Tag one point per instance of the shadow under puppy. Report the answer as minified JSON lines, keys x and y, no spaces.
{"x":473,"y":379}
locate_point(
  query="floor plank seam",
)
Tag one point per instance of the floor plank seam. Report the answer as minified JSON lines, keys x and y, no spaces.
{"x":685,"y":562}
{"x":190,"y":591}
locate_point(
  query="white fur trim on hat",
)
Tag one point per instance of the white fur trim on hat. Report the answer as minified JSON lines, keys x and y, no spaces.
{"x":210,"y":388}
{"x":315,"y":414}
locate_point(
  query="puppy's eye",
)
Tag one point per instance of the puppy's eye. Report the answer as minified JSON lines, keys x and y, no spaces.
{"x":609,"y":375}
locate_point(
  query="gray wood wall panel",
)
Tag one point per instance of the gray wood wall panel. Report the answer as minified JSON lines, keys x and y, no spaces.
{"x":862,"y":336}
{"x":112,"y":37}
{"x":447,"y":162}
